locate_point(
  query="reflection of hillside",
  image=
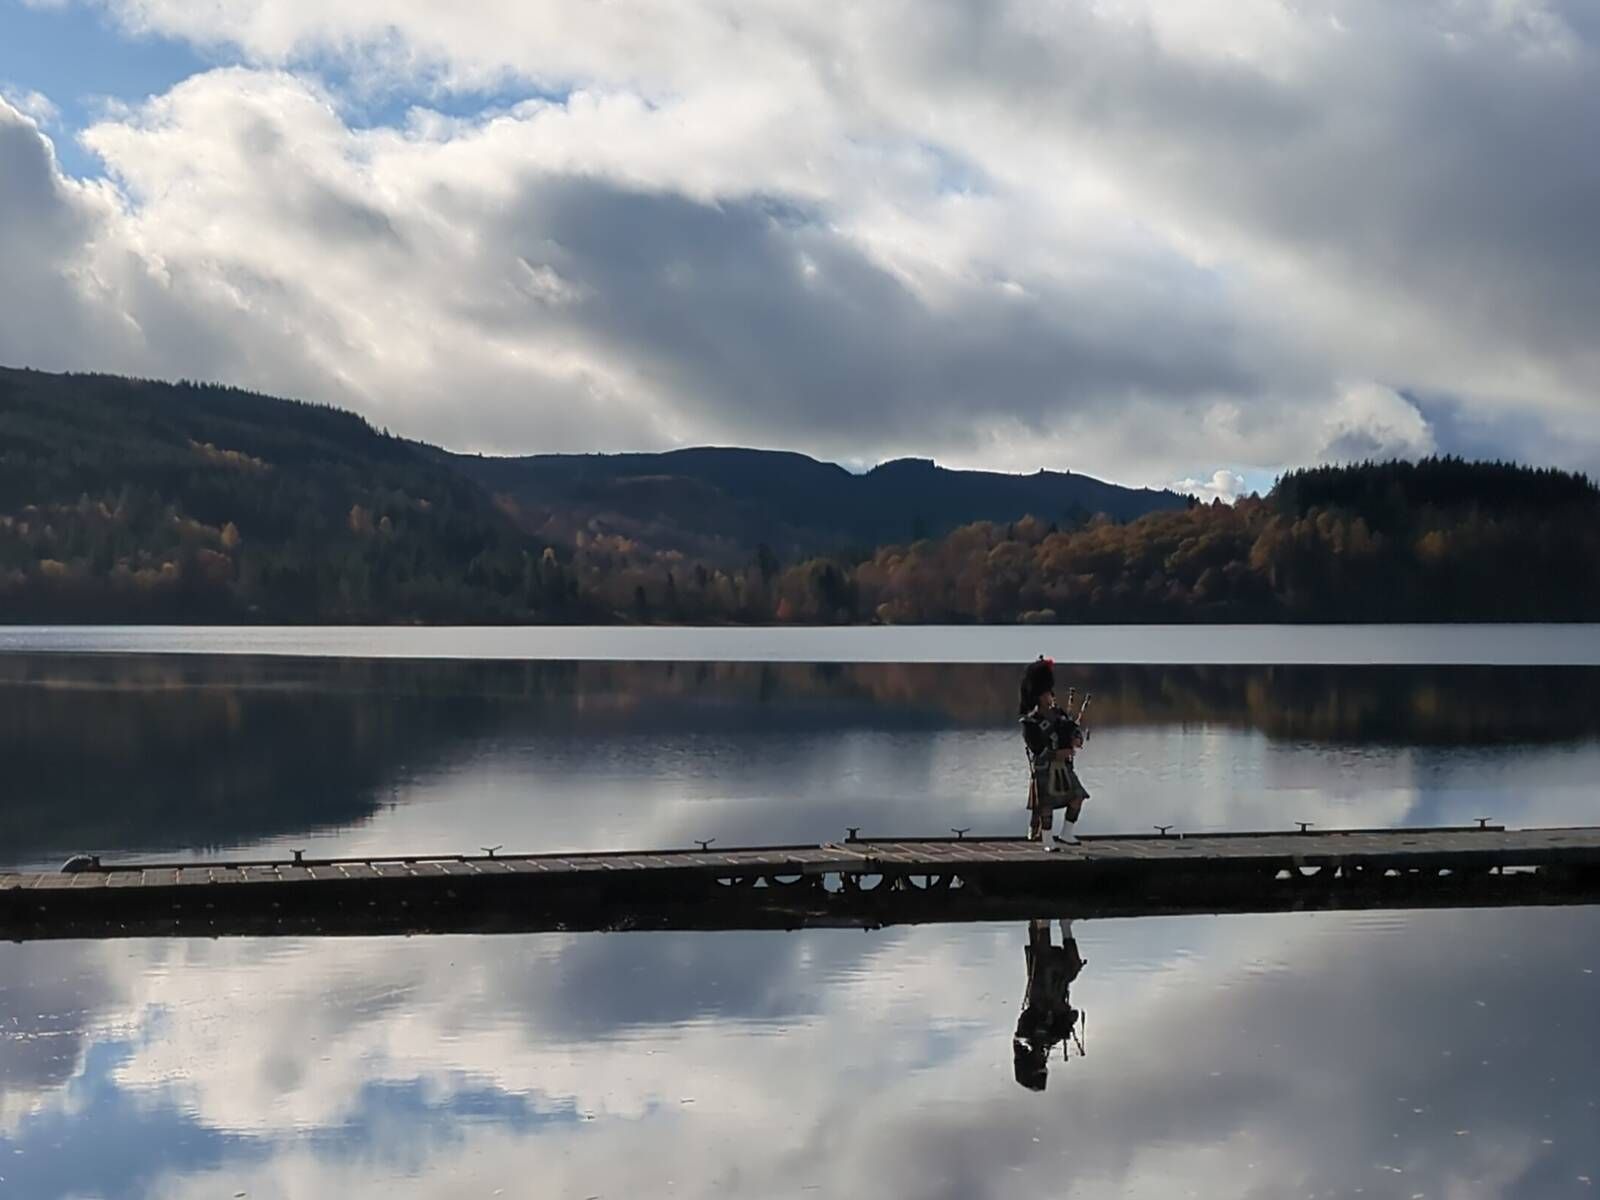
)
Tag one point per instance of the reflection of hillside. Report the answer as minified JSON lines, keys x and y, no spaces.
{"x":121,"y":753}
{"x":1439,"y":705}
{"x":1384,"y":705}
{"x":1435,"y":705}
{"x":130,"y":752}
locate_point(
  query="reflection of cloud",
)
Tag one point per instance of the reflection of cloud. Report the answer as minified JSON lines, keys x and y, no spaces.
{"x":94,"y":1139}
{"x":1261,"y":1056}
{"x":52,"y":995}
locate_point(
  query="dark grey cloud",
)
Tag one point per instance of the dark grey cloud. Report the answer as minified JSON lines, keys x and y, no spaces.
{"x":770,"y":324}
{"x":1448,"y":155}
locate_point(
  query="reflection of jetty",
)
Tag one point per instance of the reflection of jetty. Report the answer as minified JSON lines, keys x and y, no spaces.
{"x":856,"y":881}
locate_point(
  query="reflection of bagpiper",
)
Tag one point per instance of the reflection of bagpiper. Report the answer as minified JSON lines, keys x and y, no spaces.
{"x":1047,"y":1018}
{"x":1052,"y":735}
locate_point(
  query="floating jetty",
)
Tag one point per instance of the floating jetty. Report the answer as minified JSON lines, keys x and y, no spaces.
{"x":856,"y":881}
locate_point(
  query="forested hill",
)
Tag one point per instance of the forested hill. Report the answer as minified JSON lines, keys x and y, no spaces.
{"x":127,"y":501}
{"x":719,"y":504}
{"x":1437,"y":540}
{"x":122,"y":500}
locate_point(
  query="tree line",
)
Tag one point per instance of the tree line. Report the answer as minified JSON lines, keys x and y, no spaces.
{"x":1437,"y":540}
{"x":124,"y":502}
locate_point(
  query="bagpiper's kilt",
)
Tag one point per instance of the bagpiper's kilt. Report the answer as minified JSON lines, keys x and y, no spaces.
{"x":1056,"y":784}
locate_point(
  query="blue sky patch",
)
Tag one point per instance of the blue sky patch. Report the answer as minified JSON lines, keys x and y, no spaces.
{"x":78,"y":59}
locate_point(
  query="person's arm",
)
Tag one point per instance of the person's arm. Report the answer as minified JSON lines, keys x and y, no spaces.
{"x":1033,"y":735}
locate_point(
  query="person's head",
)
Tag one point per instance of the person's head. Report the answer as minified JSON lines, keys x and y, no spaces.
{"x":1030,"y":1062}
{"x":1038,"y":681}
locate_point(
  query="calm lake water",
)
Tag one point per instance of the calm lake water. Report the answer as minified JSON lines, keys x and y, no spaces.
{"x":1436,"y":1054}
{"x":1420,"y":645}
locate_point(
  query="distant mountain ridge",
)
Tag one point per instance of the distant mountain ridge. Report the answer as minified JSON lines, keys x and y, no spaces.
{"x":129,"y":501}
{"x":705,"y":499}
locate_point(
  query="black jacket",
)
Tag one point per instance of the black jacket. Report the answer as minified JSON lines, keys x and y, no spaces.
{"x":1047,"y":731}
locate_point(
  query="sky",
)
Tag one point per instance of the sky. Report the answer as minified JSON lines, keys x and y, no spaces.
{"x":1160,"y":243}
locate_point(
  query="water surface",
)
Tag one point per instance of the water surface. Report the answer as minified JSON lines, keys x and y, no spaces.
{"x":1375,"y":1054}
{"x":1419,"y":645}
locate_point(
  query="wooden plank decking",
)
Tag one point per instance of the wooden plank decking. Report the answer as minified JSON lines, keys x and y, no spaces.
{"x":865,"y":881}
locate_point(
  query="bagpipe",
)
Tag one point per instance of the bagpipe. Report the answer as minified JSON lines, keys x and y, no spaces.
{"x":1054,"y":775}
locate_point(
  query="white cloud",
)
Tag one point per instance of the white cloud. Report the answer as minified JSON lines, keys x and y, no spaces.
{"x":1371,"y":421}
{"x":1224,"y":485}
{"x":1127,"y":236}
{"x":35,"y":105}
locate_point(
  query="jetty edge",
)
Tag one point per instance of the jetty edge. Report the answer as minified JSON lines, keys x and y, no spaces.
{"x":856,"y":881}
